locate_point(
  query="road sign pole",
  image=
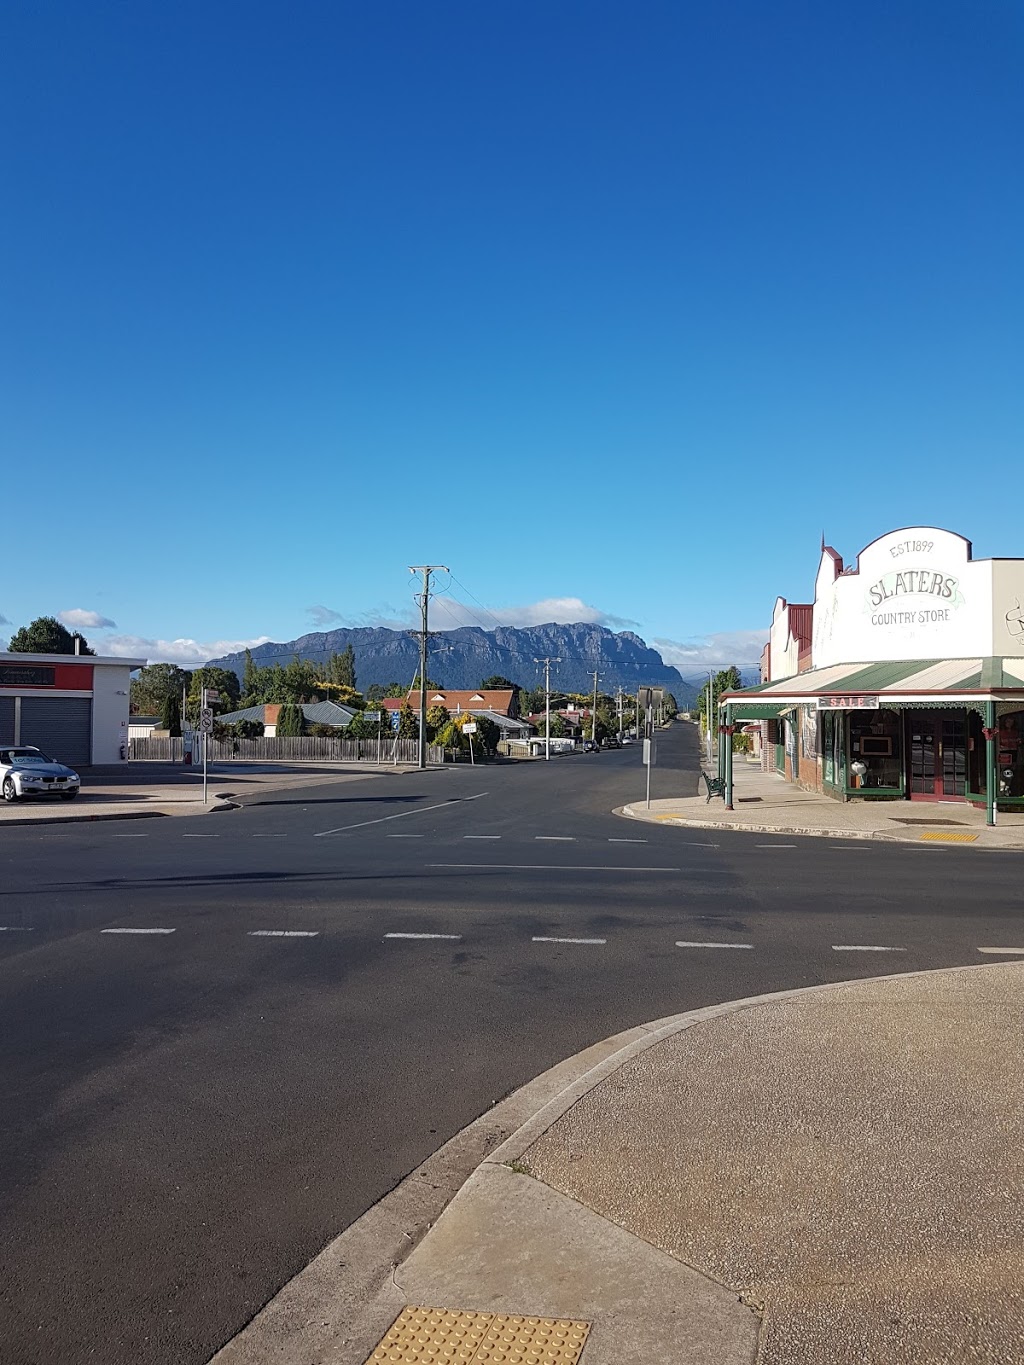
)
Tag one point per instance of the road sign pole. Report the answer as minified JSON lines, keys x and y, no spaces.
{"x":206,"y":748}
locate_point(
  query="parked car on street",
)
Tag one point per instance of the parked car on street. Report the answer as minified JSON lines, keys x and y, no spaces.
{"x":27,"y":771}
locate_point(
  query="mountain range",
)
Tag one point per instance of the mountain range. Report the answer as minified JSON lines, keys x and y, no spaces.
{"x":463,"y":658}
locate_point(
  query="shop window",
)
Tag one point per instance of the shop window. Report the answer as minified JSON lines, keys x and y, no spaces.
{"x":876,"y":750}
{"x":1010,"y":755}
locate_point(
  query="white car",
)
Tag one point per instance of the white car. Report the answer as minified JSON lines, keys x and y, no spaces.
{"x":26,"y":771}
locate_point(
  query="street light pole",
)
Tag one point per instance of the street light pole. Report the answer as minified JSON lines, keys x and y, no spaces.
{"x":711,"y":703}
{"x":547,"y":704}
{"x":426,"y":570}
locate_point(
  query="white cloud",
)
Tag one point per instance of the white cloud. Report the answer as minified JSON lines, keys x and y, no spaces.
{"x":739,"y":647}
{"x":323,"y":616}
{"x":188,"y":653}
{"x":447,"y":613}
{"x":79,"y":619}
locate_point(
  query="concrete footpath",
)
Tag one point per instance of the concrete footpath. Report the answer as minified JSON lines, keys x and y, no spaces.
{"x":818,"y":1177}
{"x":765,"y":803}
{"x":150,"y":789}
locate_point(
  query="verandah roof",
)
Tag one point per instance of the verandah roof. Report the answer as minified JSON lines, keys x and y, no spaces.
{"x":905,"y":678}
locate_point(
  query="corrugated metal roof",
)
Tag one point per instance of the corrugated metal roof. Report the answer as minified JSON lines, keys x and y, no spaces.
{"x":938,"y":676}
{"x":902,"y":677}
{"x":316,"y":712}
{"x":1013,"y":671}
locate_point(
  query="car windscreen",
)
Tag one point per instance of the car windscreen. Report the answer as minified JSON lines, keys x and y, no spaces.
{"x":25,"y":758}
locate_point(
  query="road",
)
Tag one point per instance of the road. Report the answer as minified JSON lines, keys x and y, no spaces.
{"x":191,"y":1113}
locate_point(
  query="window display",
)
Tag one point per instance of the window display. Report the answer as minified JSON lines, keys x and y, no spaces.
{"x":876,"y":759}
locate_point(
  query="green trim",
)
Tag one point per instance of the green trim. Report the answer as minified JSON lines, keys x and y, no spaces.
{"x":763,"y":710}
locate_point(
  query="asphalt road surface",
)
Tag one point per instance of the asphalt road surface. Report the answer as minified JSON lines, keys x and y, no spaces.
{"x":223,"y":1038}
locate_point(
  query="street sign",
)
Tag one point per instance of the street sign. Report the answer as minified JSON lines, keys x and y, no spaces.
{"x":373,"y":716}
{"x":469,"y":729}
{"x":647,"y":752}
{"x":206,"y":720}
{"x":212,"y":695}
{"x":396,"y":720}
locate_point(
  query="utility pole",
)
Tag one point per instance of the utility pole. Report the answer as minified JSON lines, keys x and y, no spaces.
{"x":547,"y":704}
{"x":424,"y":600}
{"x":618,"y":706}
{"x":711,"y":705}
{"x":593,"y":715}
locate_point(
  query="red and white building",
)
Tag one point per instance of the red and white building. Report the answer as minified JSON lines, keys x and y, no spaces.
{"x":72,"y":706}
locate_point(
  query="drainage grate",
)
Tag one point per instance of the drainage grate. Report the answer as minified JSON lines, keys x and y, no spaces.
{"x":941,"y":835}
{"x":423,"y":1335}
{"x":921,"y":820}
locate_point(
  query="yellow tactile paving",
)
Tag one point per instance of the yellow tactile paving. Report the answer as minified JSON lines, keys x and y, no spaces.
{"x":947,"y":837}
{"x":443,"y":1336}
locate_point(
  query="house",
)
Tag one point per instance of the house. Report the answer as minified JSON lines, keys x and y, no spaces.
{"x":314,"y":713}
{"x":502,"y":701}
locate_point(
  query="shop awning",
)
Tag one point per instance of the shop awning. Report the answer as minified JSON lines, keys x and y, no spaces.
{"x":901,"y":681}
{"x":760,"y":710}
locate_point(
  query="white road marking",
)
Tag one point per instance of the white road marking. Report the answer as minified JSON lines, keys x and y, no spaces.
{"x":557,"y":838}
{"x":137,"y":931}
{"x":27,"y":929}
{"x":270,"y":836}
{"x":200,"y":836}
{"x":1003,"y":952}
{"x":627,"y":841}
{"x":451,"y":936}
{"x":685,"y":943}
{"x":568,"y":940}
{"x":284,"y":933}
{"x":130,"y":836}
{"x":420,"y":810}
{"x":775,"y":845}
{"x":403,"y":836}
{"x":865,"y":948}
{"x":865,"y":846}
{"x":481,"y":836}
{"x":547,"y":867}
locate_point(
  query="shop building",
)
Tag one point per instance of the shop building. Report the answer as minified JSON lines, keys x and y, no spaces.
{"x":902,"y":680}
{"x":74,"y":707}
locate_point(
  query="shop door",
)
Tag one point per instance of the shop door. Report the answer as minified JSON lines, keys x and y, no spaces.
{"x":937,"y":748}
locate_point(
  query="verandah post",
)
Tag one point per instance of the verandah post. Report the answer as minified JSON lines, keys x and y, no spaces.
{"x":991,"y":775}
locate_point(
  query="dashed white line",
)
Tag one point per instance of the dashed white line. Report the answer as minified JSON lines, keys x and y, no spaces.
{"x":27,"y":929}
{"x":129,"y":836}
{"x":866,"y":948}
{"x":627,"y":841}
{"x":449,"y":936}
{"x":200,"y":836}
{"x":557,"y":838}
{"x":401,"y":815}
{"x":403,"y":836}
{"x":284,"y":933}
{"x":270,"y":836}
{"x":540,"y":939}
{"x":137,"y":931}
{"x":481,"y":836}
{"x":864,"y":847}
{"x":553,"y":867}
{"x":1003,"y":952}
{"x":686,"y":943}
{"x":775,"y":845}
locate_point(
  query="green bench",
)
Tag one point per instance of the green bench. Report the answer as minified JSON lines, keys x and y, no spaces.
{"x":715,"y":786}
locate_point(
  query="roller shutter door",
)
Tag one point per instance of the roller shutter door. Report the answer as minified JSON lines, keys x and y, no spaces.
{"x":6,"y":720}
{"x":60,"y":726}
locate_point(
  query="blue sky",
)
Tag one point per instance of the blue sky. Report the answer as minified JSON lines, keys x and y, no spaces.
{"x":612,"y":308}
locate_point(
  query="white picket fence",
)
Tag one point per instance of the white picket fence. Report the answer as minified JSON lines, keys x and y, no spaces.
{"x":287,"y":749}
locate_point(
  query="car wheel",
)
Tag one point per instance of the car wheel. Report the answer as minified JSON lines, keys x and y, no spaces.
{"x":68,"y":796}
{"x":10,"y":790}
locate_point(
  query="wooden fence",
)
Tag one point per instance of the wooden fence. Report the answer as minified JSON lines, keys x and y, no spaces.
{"x":286,"y":749}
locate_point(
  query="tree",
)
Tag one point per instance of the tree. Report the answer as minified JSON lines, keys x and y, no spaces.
{"x":341,"y":668}
{"x":498,"y":684}
{"x":170,"y":714}
{"x":290,"y":720}
{"x":250,"y":675}
{"x":437,"y":719}
{"x":408,"y":723}
{"x":46,"y":635}
{"x":224,"y":680}
{"x":154,"y":684}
